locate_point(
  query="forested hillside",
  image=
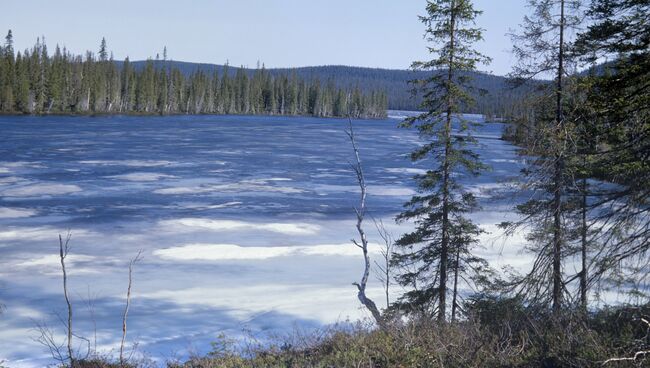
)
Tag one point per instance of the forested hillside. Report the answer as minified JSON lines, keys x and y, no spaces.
{"x":494,"y":95}
{"x":36,"y":82}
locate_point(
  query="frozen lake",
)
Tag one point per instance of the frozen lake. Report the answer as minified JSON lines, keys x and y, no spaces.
{"x":244,"y":222}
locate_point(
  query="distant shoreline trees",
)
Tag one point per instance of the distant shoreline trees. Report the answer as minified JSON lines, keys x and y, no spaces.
{"x":34,"y":82}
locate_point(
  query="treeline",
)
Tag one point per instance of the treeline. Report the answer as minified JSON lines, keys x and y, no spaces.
{"x":493,"y":95}
{"x":35,"y":82}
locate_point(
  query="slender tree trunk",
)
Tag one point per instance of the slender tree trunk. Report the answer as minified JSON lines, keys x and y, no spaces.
{"x":558,"y":177}
{"x":128,"y":304}
{"x":583,"y":248}
{"x":63,"y":253}
{"x":454,"y":302}
{"x":444,"y":252}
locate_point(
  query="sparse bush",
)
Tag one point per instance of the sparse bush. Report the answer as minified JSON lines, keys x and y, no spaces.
{"x":499,"y":333}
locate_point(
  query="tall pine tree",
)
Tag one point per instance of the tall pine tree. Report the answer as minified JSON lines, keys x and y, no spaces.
{"x":444,"y":237}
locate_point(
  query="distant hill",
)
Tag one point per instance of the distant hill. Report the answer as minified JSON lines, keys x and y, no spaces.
{"x":498,"y":101}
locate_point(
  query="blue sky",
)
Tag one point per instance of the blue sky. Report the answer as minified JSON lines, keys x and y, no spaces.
{"x":279,"y":33}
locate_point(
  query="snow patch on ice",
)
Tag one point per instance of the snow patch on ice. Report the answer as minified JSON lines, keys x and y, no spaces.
{"x":406,"y":170}
{"x":130,"y":163}
{"x":51,"y":264}
{"x":142,"y":176}
{"x":24,"y":233}
{"x":390,"y":191}
{"x":308,"y":301}
{"x":54,"y":260}
{"x":41,"y":189}
{"x":6,"y":212}
{"x":230,"y":252}
{"x":202,"y":206}
{"x":193,"y":224}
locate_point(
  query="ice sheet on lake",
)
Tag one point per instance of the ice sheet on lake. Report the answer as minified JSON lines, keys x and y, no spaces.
{"x":252,"y":185}
{"x":243,"y":221}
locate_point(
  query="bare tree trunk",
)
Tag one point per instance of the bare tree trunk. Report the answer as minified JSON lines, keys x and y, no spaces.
{"x":128,"y":304}
{"x":63,"y":253}
{"x":558,"y":177}
{"x":360,"y":212}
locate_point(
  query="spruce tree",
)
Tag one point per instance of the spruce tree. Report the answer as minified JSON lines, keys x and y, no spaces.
{"x":7,"y":94}
{"x":619,"y":97}
{"x":444,"y":237}
{"x":542,"y":50}
{"x":103,"y":50}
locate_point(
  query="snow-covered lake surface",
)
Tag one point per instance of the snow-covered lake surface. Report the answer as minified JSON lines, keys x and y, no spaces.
{"x":244,"y":223}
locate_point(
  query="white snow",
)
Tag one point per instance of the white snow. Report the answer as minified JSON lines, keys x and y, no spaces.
{"x":41,"y":189}
{"x":228,"y":252}
{"x":194,"y":224}
{"x":16,"y":212}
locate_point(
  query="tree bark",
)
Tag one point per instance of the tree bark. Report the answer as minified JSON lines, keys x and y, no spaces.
{"x":583,"y":248}
{"x":558,"y":177}
{"x":454,"y":302}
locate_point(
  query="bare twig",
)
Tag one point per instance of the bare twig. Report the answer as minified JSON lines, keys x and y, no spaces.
{"x":133,"y":261}
{"x":384,"y":270}
{"x":47,"y":339}
{"x":64,"y":249}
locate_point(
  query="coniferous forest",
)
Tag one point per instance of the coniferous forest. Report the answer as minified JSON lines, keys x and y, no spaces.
{"x":575,"y":292}
{"x":35,"y":82}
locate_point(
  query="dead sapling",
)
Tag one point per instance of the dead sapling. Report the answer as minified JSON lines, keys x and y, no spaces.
{"x":363,"y":244}
{"x":132,"y":262}
{"x":64,"y":249}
